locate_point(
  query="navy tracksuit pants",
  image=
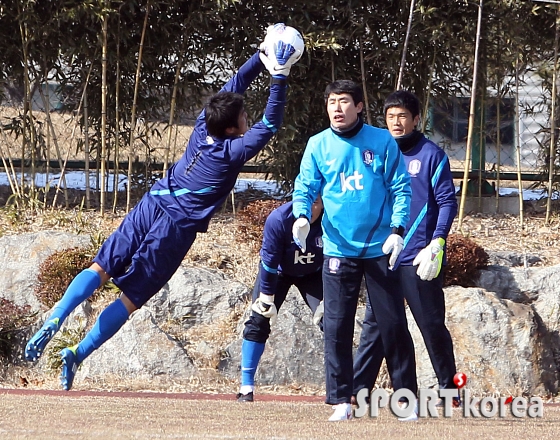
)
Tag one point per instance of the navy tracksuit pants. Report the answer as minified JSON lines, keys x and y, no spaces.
{"x":427,"y":304}
{"x":342,"y":278}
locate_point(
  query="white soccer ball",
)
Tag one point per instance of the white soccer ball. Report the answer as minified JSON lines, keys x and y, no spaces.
{"x":287,"y":34}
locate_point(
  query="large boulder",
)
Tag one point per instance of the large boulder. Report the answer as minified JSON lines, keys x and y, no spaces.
{"x":196,"y":296}
{"x":539,"y":287}
{"x":505,"y":330}
{"x":496,"y":343}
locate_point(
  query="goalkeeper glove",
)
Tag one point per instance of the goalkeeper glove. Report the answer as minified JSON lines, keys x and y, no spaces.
{"x":279,"y":62}
{"x":393,"y":245}
{"x":300,"y":230}
{"x":429,"y":260}
{"x":277,"y":55}
{"x":319,"y":312}
{"x":264,"y":305}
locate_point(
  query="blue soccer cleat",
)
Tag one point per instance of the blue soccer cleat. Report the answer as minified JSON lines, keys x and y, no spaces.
{"x":69,"y":366}
{"x":36,"y":345}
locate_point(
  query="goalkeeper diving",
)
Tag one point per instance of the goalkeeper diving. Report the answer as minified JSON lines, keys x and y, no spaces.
{"x":152,"y":240}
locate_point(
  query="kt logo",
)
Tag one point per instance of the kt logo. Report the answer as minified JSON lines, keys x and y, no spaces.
{"x":303,"y":258}
{"x":346,"y":182}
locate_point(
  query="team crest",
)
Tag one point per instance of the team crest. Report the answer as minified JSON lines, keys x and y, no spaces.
{"x":414,"y":167}
{"x":319,"y":242}
{"x":367,"y":155}
{"x":334,"y":264}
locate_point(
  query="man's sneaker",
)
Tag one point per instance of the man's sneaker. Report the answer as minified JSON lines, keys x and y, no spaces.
{"x":69,"y":366}
{"x":342,"y":411}
{"x":455,"y":403}
{"x":245,"y":397}
{"x":413,"y":417}
{"x":36,"y":345}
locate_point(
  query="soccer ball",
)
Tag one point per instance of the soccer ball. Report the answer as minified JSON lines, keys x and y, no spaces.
{"x":286,"y":34}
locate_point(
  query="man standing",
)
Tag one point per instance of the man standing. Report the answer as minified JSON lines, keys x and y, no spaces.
{"x":283,"y":265}
{"x":360,"y":174}
{"x":433,"y":208}
{"x":152,"y":240}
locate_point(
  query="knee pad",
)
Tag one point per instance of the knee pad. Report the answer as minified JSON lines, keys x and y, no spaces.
{"x":257,"y":328}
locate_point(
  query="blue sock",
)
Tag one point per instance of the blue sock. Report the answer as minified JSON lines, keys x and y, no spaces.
{"x":80,"y":289}
{"x":108,"y":323}
{"x":251,"y":353}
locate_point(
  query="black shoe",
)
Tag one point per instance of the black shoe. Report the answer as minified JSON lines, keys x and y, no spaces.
{"x":244,"y":397}
{"x":354,"y":401}
{"x":455,"y":403}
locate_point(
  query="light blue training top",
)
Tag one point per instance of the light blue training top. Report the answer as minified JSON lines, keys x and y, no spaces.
{"x":364,"y":185}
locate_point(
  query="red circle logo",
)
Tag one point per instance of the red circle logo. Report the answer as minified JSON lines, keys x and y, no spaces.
{"x":460,"y":380}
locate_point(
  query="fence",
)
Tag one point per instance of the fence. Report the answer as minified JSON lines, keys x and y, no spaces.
{"x":514,"y":138}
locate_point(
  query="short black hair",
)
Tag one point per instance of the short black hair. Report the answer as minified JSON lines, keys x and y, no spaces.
{"x":222,"y":112}
{"x":345,"y":86}
{"x":404,"y":99}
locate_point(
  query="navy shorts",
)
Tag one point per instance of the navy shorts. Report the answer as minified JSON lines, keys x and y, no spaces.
{"x":145,"y":251}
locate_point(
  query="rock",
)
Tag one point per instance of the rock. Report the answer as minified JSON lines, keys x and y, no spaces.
{"x":139,"y":351}
{"x":293,"y":353}
{"x":497,"y":344}
{"x":505,"y":331}
{"x":502,"y":281}
{"x":196,"y":296}
{"x":21,"y":257}
{"x":512,"y":259}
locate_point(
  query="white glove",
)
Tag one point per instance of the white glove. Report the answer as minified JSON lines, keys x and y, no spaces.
{"x":264,"y":305}
{"x":300,"y":230}
{"x":393,"y":245}
{"x":319,"y":312}
{"x":429,"y":260}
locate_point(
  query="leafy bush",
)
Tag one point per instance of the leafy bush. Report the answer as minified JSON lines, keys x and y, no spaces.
{"x":251,"y":219}
{"x":58,"y":270}
{"x":67,"y":337}
{"x":464,"y":259}
{"x":12,"y":319}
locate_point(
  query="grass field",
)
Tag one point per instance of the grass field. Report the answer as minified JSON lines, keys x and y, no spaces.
{"x":76,"y":415}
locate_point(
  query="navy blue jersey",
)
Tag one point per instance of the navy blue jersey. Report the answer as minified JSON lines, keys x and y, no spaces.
{"x":434,"y":204}
{"x":279,"y":253}
{"x":200,"y":181}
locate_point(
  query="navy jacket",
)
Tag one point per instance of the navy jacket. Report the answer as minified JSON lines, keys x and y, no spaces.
{"x":279,"y":253}
{"x":200,"y":181}
{"x":434,"y":204}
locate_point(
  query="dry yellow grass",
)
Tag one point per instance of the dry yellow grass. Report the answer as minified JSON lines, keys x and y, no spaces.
{"x":67,"y":135}
{"x":106,"y":417}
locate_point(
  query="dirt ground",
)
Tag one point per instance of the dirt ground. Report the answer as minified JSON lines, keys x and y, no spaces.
{"x":73,"y":415}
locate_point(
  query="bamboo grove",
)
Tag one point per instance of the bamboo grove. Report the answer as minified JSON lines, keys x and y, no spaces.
{"x":122,"y":64}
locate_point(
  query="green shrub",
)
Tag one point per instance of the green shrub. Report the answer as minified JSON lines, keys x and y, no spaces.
{"x":464,"y":259}
{"x":58,"y":270}
{"x":251,"y":219}
{"x":13,"y":318}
